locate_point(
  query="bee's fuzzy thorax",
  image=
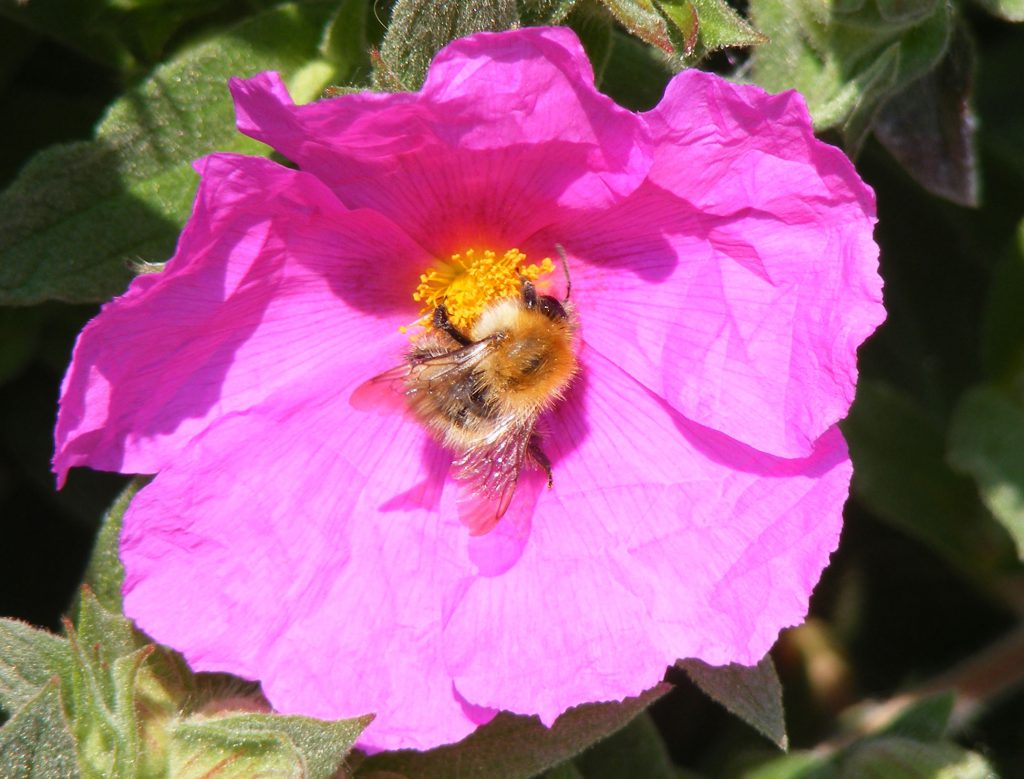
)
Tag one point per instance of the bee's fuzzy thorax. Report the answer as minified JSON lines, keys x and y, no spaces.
{"x":533,"y":360}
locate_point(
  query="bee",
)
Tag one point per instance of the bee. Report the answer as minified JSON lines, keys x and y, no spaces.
{"x":480,"y":392}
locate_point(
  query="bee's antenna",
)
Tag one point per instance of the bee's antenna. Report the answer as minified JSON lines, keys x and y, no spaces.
{"x":565,"y":267}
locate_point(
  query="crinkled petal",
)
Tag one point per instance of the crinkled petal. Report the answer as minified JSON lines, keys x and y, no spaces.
{"x":724,"y":275}
{"x":507,"y":130}
{"x":738,"y":282}
{"x":316,"y":563}
{"x":660,"y":540}
{"x":273,"y":280}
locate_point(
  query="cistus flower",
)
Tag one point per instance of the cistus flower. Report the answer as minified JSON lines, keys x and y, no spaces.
{"x":723,"y":275}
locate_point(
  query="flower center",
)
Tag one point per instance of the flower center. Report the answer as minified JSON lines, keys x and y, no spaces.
{"x":469,"y":282}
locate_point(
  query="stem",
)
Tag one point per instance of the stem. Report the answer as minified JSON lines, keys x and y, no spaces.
{"x":977,"y":682}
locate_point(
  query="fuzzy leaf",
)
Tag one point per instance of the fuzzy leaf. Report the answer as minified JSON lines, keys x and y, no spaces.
{"x":102,"y":703}
{"x":544,"y":12}
{"x":752,"y":694}
{"x":700,"y":27}
{"x":1003,"y":326}
{"x":905,"y":10}
{"x":986,"y":441}
{"x":848,"y":58}
{"x":514,"y":747}
{"x":641,"y":18}
{"x":564,"y":771}
{"x":345,"y":45}
{"x":721,"y":26}
{"x":36,"y":743}
{"x":924,"y":720}
{"x":596,"y":33}
{"x":636,"y":750}
{"x":894,"y":757}
{"x":105,"y":630}
{"x":682,"y":24}
{"x":419,"y":28}
{"x":247,"y":745}
{"x":1010,"y":10}
{"x":105,"y":574}
{"x":635,"y":74}
{"x":795,"y":765}
{"x":79,"y":212}
{"x":929,"y":126}
{"x":83,"y":25}
{"x":901,"y":474}
{"x":29,"y":659}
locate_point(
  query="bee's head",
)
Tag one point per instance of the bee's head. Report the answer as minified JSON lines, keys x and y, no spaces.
{"x":550,"y":307}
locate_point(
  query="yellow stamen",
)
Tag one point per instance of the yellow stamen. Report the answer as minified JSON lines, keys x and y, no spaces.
{"x":467,"y":283}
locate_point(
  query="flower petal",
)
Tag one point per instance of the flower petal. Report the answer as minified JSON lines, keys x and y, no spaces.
{"x":507,"y":129}
{"x":273,"y":281}
{"x":660,"y":540}
{"x":738,"y":282}
{"x":317,"y":563}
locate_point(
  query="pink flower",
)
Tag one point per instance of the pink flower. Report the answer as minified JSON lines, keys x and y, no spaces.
{"x":723,"y":275}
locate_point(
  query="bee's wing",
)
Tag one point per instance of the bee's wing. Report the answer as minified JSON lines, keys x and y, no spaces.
{"x":489,"y":474}
{"x":383,"y":393}
{"x":387,"y":391}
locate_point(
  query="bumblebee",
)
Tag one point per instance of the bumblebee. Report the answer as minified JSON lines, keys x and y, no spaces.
{"x":480,"y":392}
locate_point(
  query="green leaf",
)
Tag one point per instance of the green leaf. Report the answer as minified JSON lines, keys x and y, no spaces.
{"x":929,"y":126}
{"x":986,"y":441}
{"x":102,"y":697}
{"x":419,"y":28}
{"x":700,"y":27}
{"x":642,"y":19}
{"x":107,"y":630}
{"x":721,"y":26}
{"x":636,"y":750}
{"x":852,"y":108}
{"x":29,"y":659}
{"x":901,"y":474}
{"x":515,"y":747}
{"x":795,"y":765}
{"x":905,"y":10}
{"x":83,"y":25}
{"x":120,"y":691}
{"x":847,"y":59}
{"x":691,"y":29}
{"x":1003,"y":326}
{"x":754,"y":694}
{"x":345,"y":45}
{"x":105,"y":573}
{"x":683,"y":25}
{"x":1011,"y":10}
{"x":894,"y":757}
{"x":36,"y":743}
{"x":564,"y":771}
{"x":544,"y":12}
{"x":596,"y":33}
{"x":925,"y":719}
{"x":636,"y":74}
{"x":247,"y":745}
{"x":78,"y":213}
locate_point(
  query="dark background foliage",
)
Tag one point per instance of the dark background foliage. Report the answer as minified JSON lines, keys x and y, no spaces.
{"x":928,"y":576}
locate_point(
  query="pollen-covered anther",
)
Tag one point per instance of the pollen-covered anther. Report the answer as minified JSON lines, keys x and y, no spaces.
{"x":468,"y":282}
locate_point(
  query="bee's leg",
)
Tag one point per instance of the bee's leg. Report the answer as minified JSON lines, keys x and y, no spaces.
{"x":541,"y":459}
{"x":442,"y":322}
